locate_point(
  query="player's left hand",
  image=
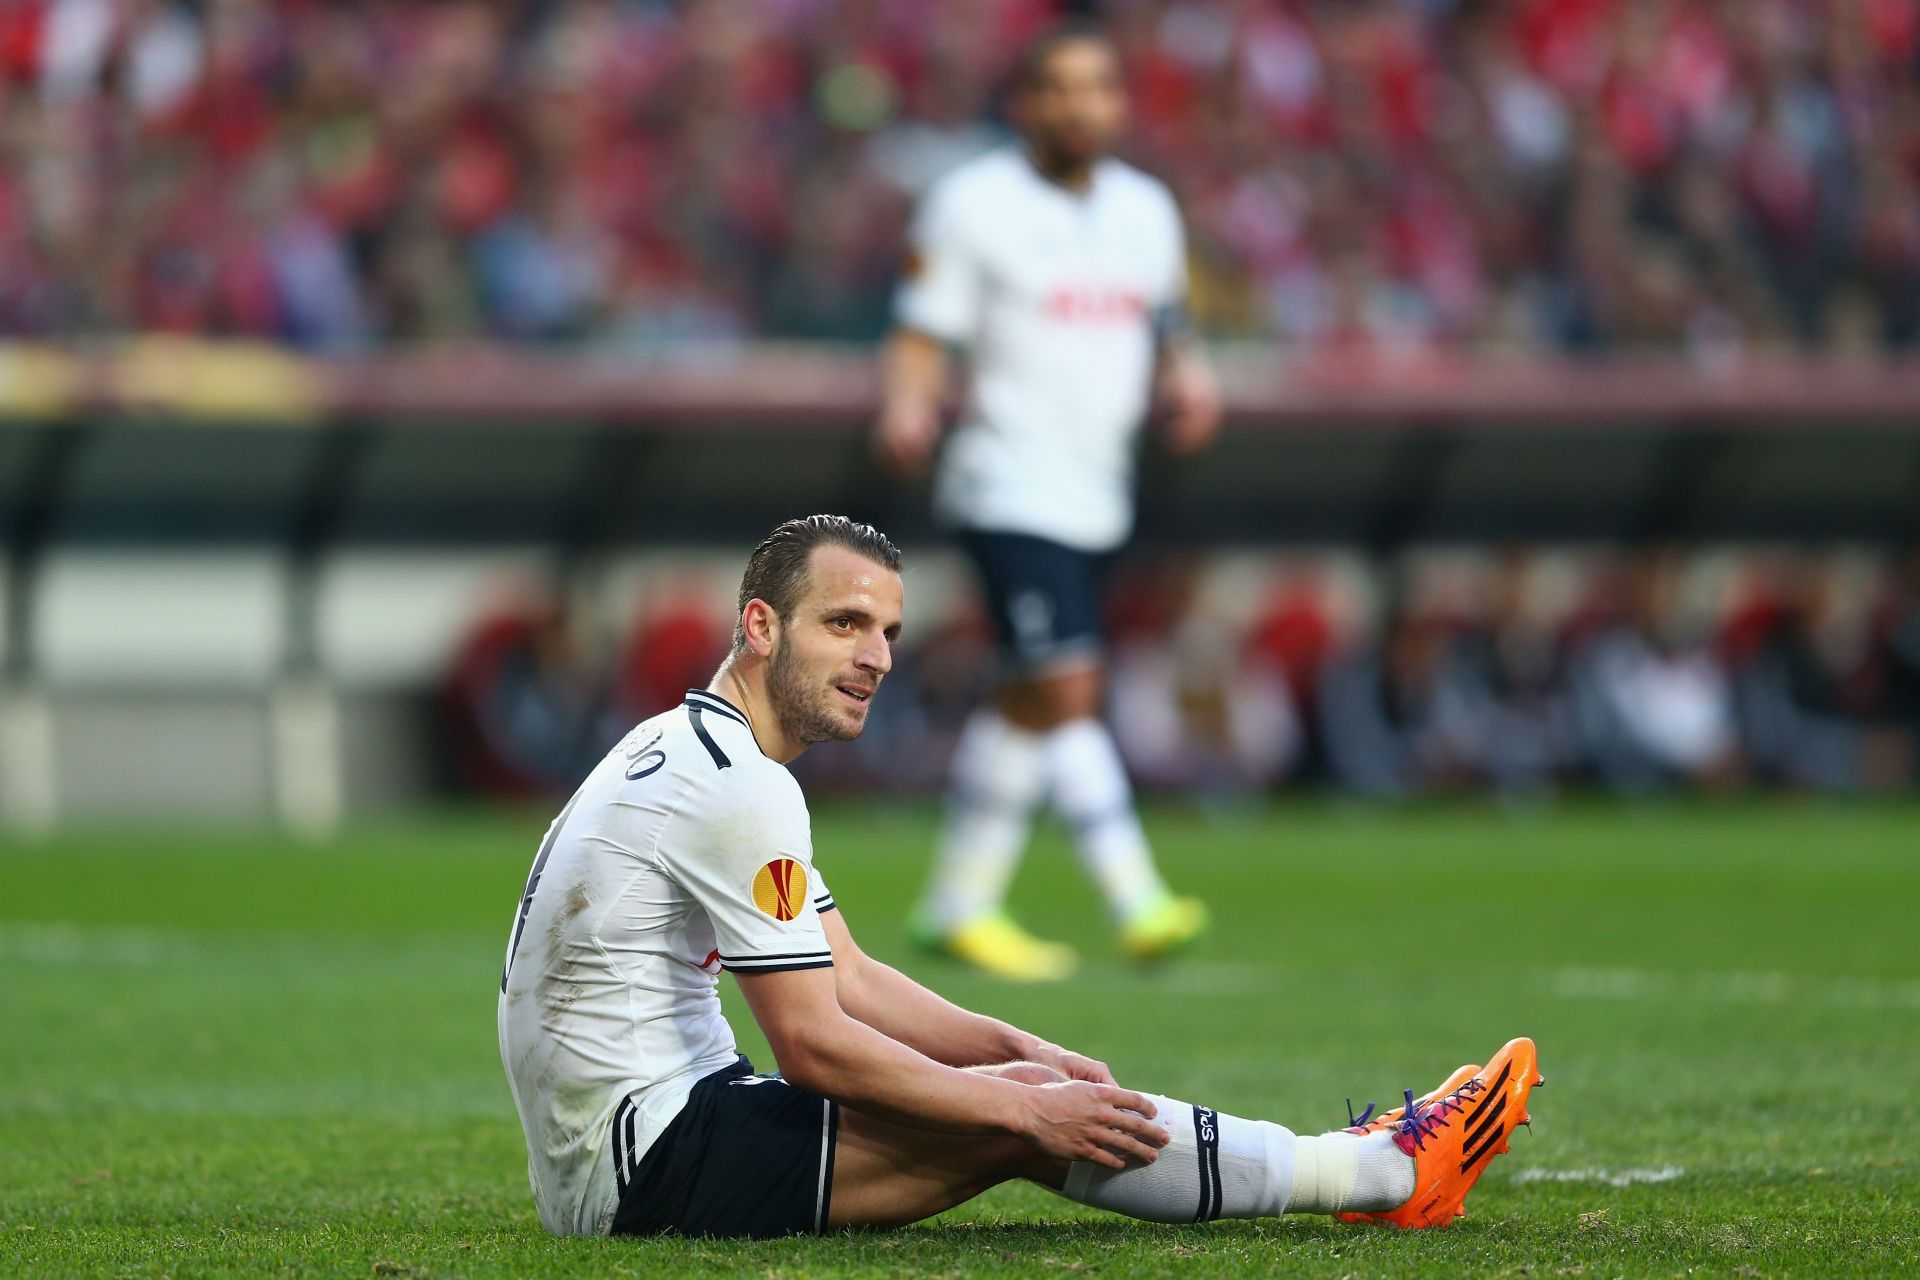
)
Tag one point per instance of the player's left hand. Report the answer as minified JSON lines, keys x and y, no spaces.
{"x":1072,"y":1065}
{"x":1190,"y":395}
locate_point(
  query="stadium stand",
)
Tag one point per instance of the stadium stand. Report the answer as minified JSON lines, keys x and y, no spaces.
{"x":1546,"y":174}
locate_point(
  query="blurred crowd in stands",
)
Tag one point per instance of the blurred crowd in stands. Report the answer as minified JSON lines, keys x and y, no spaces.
{"x":1513,"y":673}
{"x":1710,"y":176}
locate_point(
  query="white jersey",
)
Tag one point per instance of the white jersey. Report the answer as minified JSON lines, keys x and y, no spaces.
{"x":1055,"y":294}
{"x":685,"y":851}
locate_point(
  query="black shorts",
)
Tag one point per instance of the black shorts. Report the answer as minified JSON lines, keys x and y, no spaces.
{"x":1045,"y":598}
{"x":748,"y":1156}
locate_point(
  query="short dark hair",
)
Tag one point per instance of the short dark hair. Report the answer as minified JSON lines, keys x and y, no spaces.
{"x":777,"y":570}
{"x":1031,"y":67}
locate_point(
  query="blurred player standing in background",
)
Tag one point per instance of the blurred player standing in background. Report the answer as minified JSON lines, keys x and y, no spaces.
{"x":1061,"y":271}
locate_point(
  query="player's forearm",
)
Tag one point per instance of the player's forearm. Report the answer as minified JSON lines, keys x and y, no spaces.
{"x":1189,"y":394}
{"x":1179,"y":359}
{"x":897,"y":1006}
{"x":913,"y":374}
{"x":860,"y":1067}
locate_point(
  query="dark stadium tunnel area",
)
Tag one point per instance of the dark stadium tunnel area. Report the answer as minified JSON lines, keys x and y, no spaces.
{"x":578,"y":487}
{"x":377,"y":552}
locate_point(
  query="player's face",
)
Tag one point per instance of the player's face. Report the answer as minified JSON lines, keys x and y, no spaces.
{"x":1075,"y":111}
{"x":836,"y":648}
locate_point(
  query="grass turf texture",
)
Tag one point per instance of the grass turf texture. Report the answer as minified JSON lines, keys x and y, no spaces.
{"x":237,"y":1056}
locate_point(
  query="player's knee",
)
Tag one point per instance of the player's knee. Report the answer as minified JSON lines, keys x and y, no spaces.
{"x":1021,"y":704}
{"x":1072,"y":696}
{"x":1026,"y":1073}
{"x":1047,"y":702}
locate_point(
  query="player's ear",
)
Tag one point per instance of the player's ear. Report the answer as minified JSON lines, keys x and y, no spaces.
{"x":761,"y":626}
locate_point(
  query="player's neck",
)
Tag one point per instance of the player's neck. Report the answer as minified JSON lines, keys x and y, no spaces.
{"x":746,"y":690}
{"x":1062,"y":171}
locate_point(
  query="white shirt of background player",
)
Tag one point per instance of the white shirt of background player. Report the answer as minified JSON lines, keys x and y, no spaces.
{"x":1057,"y":296}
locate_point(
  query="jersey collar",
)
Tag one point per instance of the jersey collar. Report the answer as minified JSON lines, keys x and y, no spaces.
{"x":705,"y":700}
{"x":1096,"y":178}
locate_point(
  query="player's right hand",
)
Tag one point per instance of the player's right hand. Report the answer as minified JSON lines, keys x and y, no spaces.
{"x":904,"y":437}
{"x":1101,"y":1123}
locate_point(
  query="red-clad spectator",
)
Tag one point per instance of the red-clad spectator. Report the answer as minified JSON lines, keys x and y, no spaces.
{"x":1296,"y":635}
{"x":524,"y":709}
{"x":675,"y":647}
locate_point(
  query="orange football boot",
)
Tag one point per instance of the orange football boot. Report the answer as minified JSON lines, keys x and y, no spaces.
{"x":1454,"y":1137}
{"x":1463,"y":1080}
{"x":1367,"y":1122}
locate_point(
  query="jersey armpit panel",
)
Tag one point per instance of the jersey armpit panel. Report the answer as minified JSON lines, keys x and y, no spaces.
{"x":1176,"y":288}
{"x":941,"y":279}
{"x":743,"y":851}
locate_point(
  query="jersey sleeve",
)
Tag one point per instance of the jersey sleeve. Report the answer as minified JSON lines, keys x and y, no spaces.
{"x":940,"y":285}
{"x":1174,"y":280}
{"x":748,"y":861}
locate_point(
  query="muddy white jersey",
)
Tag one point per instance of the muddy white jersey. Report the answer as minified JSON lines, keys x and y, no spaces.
{"x":685,"y":852}
{"x":1055,"y":294}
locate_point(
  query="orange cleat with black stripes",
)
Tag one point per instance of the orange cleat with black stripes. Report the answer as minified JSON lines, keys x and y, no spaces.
{"x":1455,"y":1136}
{"x":1367,"y":1122}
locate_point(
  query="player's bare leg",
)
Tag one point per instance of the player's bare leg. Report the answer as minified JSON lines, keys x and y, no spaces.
{"x":886,"y":1175}
{"x":1089,"y":789}
{"x":1052,"y":698}
{"x":1416,"y":1173}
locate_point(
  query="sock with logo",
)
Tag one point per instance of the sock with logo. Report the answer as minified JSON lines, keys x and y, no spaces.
{"x":1093,"y":797}
{"x":998,"y":781}
{"x":1221,"y":1166}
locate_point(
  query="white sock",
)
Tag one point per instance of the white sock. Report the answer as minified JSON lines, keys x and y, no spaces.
{"x":1220,"y":1166}
{"x":999,"y":779}
{"x":1091,"y":793}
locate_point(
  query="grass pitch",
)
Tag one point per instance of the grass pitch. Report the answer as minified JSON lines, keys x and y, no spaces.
{"x":237,"y":1056}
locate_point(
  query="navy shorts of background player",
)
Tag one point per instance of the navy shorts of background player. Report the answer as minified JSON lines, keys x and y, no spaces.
{"x":1044,"y":597}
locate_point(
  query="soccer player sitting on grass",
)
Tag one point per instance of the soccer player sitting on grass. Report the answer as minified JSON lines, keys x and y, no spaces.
{"x":688,"y":851}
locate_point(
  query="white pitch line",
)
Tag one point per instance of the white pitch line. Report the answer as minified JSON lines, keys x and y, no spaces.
{"x":66,"y":945}
{"x":55,"y":943}
{"x":1841,"y":991}
{"x":61,"y":943}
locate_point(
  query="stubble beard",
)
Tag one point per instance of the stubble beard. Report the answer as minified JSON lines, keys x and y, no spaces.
{"x":804,"y":712}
